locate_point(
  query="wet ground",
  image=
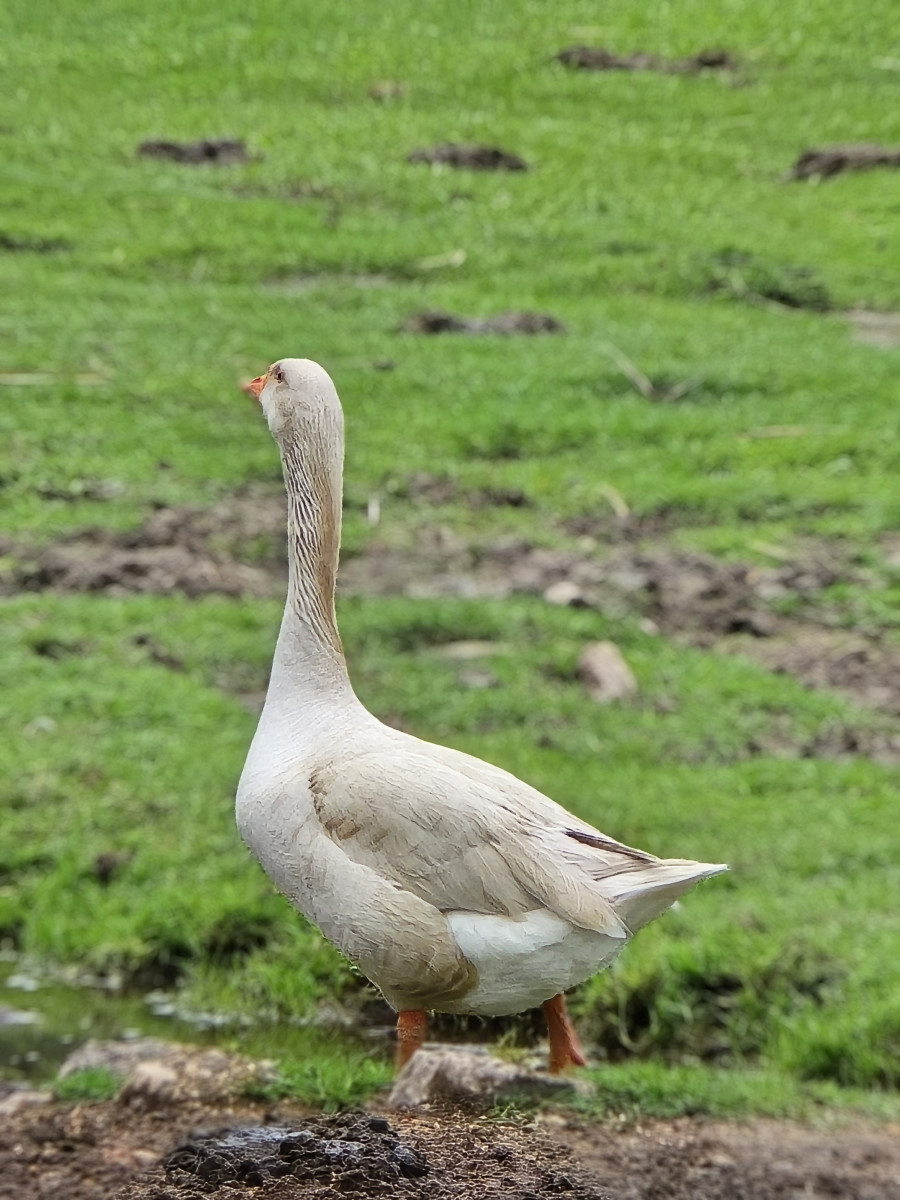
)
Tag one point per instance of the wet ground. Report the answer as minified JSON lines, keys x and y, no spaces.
{"x":114,"y":1151}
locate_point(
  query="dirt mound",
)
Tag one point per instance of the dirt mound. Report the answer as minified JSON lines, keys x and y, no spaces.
{"x":95,"y":566}
{"x":598,"y":58}
{"x":505,"y":323}
{"x":111,"y":1150}
{"x":189,"y":550}
{"x":441,"y":489}
{"x":366,"y":1156}
{"x":344,"y":1153}
{"x":681,"y":592}
{"x":864,"y":668}
{"x":221,"y":151}
{"x":825,"y":161}
{"x":696,"y":597}
{"x":472,"y":158}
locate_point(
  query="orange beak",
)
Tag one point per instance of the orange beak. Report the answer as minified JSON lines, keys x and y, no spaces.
{"x":255,"y":386}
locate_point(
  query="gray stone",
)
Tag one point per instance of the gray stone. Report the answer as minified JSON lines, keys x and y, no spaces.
{"x":605,"y":673}
{"x":456,"y":1072}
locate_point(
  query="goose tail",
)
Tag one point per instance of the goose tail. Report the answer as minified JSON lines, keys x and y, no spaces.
{"x":641,"y":895}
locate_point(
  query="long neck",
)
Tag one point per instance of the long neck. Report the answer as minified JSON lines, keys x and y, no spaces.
{"x":309,"y":662}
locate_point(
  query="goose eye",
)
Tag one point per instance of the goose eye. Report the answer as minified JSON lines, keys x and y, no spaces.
{"x":276,"y":373}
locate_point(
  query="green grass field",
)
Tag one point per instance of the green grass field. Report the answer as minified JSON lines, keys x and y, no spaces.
{"x":653,"y":222}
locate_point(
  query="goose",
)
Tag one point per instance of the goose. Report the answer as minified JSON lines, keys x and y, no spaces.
{"x":449,"y":883}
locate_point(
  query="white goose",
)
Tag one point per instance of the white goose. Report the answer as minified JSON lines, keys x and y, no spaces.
{"x":452,"y":885}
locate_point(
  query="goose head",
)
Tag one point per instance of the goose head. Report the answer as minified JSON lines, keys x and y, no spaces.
{"x":295,"y":395}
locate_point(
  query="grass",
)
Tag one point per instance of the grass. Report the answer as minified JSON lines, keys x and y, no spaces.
{"x":654,"y":225}
{"x":648,"y":1089}
{"x":89,"y":1085}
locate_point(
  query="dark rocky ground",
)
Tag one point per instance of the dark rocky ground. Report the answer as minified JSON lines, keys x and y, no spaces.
{"x":118,"y":1151}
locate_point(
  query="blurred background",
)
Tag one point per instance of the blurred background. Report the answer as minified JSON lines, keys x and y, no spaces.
{"x":610,"y":295}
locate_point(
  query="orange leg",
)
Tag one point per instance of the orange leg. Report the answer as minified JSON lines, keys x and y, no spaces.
{"x":565,"y":1049}
{"x":411,"y":1027}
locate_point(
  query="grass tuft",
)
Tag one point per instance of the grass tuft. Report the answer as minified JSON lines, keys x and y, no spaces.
{"x":90,"y":1085}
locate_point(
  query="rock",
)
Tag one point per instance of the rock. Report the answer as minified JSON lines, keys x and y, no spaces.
{"x":153,"y":1082}
{"x":477,"y":681}
{"x":18,"y":1016}
{"x":384,"y":90}
{"x":156,"y":1072}
{"x":566,"y":594}
{"x":21,"y":1098}
{"x":459,"y":1073}
{"x":119,"y":1058}
{"x":464,"y":651}
{"x":605,"y":673}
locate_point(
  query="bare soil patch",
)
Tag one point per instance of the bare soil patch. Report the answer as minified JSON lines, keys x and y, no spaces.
{"x":11,"y":243}
{"x":702,"y":600}
{"x":823,"y":162}
{"x":219,"y":151}
{"x":440,"y":489}
{"x":468,"y":157}
{"x":880,"y":329}
{"x":99,"y":1151}
{"x":756,"y":1160}
{"x":238,"y":548}
{"x":116,"y":1151}
{"x":681,"y":592}
{"x":504,"y":323}
{"x":862,"y":667}
{"x":599,"y":58}
{"x":195,"y":551}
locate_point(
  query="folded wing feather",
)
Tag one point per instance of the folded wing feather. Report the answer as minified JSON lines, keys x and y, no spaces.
{"x":466,"y":844}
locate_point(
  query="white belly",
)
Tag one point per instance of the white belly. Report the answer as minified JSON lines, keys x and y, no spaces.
{"x":523,"y":963}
